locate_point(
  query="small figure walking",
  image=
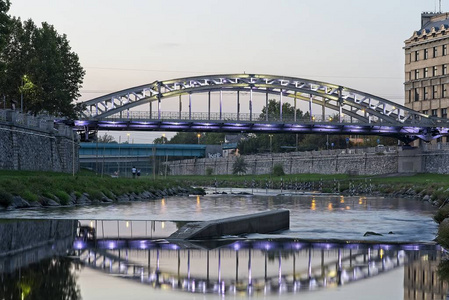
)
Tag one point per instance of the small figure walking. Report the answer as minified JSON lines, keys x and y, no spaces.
{"x":133,"y":171}
{"x":138,"y":173}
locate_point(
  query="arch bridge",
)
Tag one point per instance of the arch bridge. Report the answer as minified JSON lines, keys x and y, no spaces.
{"x":332,"y":109}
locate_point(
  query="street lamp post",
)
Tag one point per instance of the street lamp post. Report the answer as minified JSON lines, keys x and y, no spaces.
{"x":271,"y":142}
{"x":199,"y":136}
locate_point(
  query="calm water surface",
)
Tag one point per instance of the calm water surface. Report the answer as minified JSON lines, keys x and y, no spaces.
{"x":131,"y":261}
{"x":311,"y":217}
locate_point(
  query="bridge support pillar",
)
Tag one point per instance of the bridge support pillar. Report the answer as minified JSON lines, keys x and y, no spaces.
{"x":310,"y":107}
{"x":280,"y":106}
{"x":238,"y":105}
{"x":208,"y":105}
{"x":221,"y":104}
{"x":294,"y":113}
{"x":251,"y":104}
{"x":180,"y":107}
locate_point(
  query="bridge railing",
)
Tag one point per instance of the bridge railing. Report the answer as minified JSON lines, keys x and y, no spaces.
{"x":246,"y":117}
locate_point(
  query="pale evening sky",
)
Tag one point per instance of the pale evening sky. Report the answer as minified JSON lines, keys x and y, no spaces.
{"x":356,"y":43}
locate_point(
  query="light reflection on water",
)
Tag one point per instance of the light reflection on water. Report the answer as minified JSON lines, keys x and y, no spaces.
{"x":311,"y":216}
{"x":259,"y":269}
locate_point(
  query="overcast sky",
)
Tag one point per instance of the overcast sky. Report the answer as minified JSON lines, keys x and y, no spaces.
{"x":356,"y":43}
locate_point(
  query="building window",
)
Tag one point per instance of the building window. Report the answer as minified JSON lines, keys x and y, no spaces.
{"x":416,"y":94}
{"x":435,"y":52}
{"x":444,"y":50}
{"x":426,"y":53}
{"x":426,"y":72}
{"x":435,"y":71}
{"x":425,"y":112}
{"x":443,"y":91}
{"x":444,"y":71}
{"x":416,"y":74}
{"x":434,"y":112}
{"x":434,"y":92}
{"x":443,"y":115}
{"x":409,"y":98}
{"x":426,"y":93}
{"x":416,"y":55}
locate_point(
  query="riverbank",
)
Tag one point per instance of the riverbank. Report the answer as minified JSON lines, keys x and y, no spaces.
{"x":433,"y":188}
{"x":22,"y":189}
{"x":25,"y":189}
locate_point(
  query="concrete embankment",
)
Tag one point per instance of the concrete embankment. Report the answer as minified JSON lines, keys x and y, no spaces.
{"x":24,"y":242}
{"x":264,"y":222}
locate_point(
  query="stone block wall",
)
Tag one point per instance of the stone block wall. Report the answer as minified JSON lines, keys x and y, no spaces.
{"x":436,"y":162}
{"x":321,"y":162}
{"x":35,"y":145}
{"x":19,"y":235}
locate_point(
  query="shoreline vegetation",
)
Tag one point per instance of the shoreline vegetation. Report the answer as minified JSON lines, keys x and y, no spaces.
{"x":28,"y":189}
{"x":51,"y":188}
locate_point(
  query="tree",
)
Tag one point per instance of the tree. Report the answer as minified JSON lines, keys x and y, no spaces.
{"x":184,"y":138}
{"x":106,"y":138}
{"x":213,"y":138}
{"x":43,"y":58}
{"x":274,"y":110}
{"x":240,"y":166}
{"x":160,"y":140}
{"x":4,"y":22}
{"x":256,"y":143}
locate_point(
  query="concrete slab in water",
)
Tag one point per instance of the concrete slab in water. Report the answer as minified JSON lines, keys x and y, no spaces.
{"x":264,"y":222}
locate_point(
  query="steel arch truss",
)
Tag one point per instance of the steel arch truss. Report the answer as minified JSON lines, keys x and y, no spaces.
{"x":362,"y":107}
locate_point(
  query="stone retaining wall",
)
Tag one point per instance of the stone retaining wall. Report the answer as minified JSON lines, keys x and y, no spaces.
{"x":34,"y":144}
{"x":361,"y":162}
{"x":20,"y":235}
{"x":321,"y":162}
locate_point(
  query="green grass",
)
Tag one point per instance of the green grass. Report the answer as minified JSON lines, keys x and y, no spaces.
{"x":58,"y":186}
{"x":31,"y":185}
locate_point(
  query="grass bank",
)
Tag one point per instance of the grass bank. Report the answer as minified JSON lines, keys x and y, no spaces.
{"x":33,"y":186}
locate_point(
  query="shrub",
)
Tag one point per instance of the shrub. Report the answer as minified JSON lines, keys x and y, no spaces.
{"x":5,"y":198}
{"x":29,"y":196}
{"x":209,"y":171}
{"x":49,"y":195}
{"x":441,"y":214}
{"x":240,"y":166}
{"x":63,"y":197}
{"x":443,"y":234}
{"x":95,"y":194}
{"x":278,"y":170}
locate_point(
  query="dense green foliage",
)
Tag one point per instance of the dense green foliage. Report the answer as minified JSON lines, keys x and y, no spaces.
{"x":240,"y":166}
{"x":37,"y":63}
{"x":260,"y":143}
{"x":278,"y":170}
{"x":4,"y":22}
{"x":205,"y":138}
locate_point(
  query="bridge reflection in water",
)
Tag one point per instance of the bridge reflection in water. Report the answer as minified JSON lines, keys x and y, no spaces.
{"x":217,"y":267}
{"x":254,"y":267}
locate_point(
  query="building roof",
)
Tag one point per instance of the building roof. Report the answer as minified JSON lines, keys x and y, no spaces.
{"x":433,"y":24}
{"x":438,"y":25}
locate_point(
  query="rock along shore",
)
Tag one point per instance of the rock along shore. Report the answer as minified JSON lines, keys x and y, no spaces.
{"x":85,"y":199}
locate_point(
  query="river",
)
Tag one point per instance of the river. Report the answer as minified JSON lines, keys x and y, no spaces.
{"x":311,"y":216}
{"x":256,"y":265}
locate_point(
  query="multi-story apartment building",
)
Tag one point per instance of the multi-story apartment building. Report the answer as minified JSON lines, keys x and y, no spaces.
{"x":427,"y":66}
